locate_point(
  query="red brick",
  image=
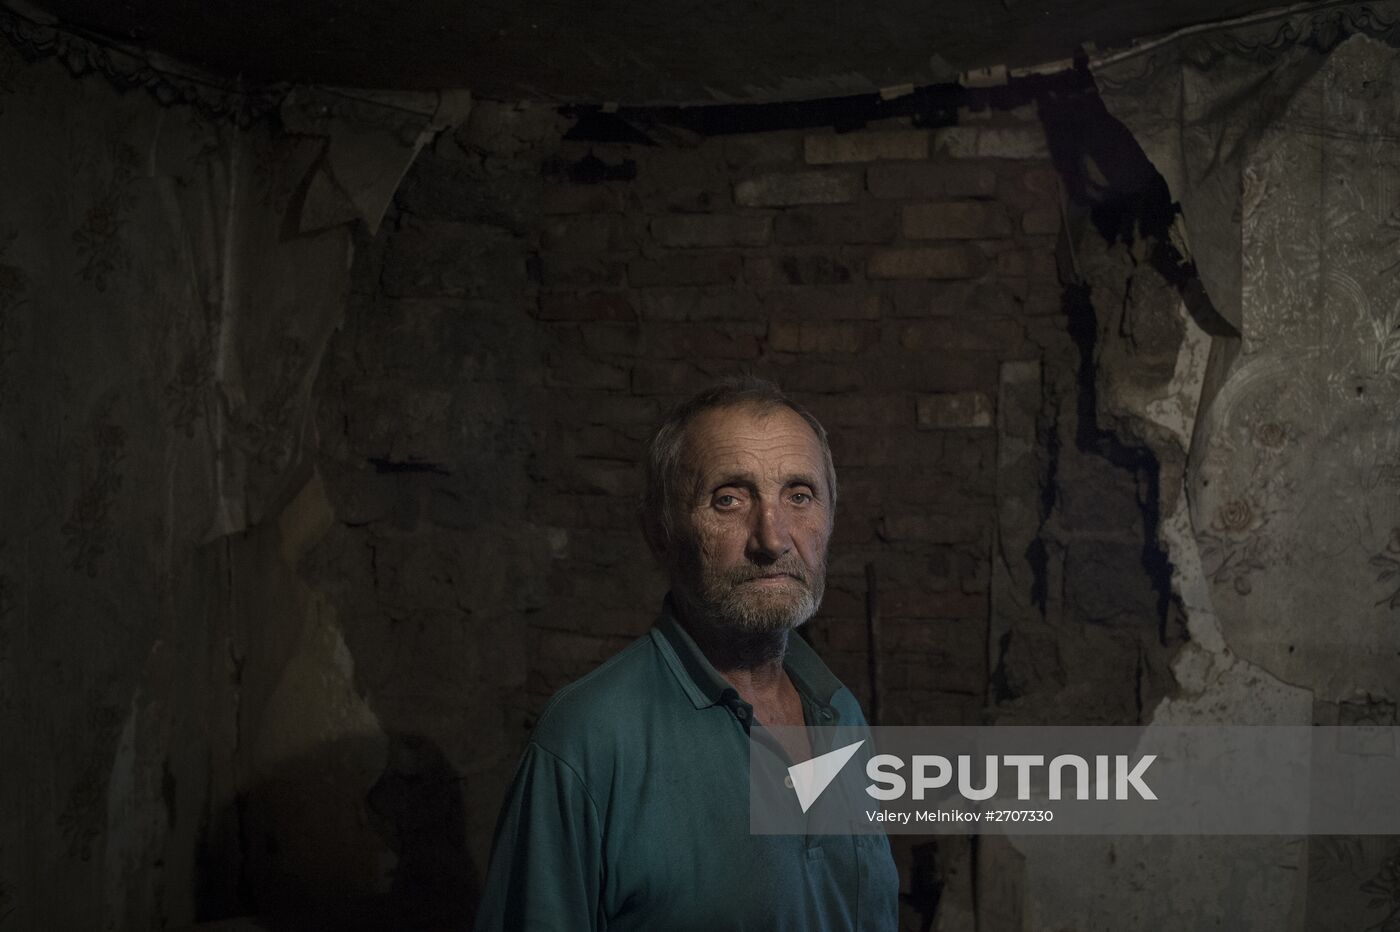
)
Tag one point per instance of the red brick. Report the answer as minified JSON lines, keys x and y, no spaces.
{"x":934,"y":529}
{"x":924,"y":659}
{"x":862,"y":410}
{"x":585,"y":511}
{"x":608,"y":338}
{"x":852,"y":531}
{"x":923,"y":708}
{"x":838,"y":303}
{"x":598,"y":441}
{"x":688,"y":199}
{"x":819,"y":337}
{"x":564,"y":269}
{"x":762,"y":149}
{"x":686,"y":269}
{"x":679,"y":304}
{"x":752,"y":150}
{"x":811,"y":269}
{"x":597,"y":477}
{"x":1047,"y":334}
{"x":1028,"y":263}
{"x":574,"y":371}
{"x":865,"y":223}
{"x":864,"y":447}
{"x":600,"y":408}
{"x":1041,"y":222}
{"x":970,"y":452}
{"x":865,"y":146}
{"x":794,"y":188}
{"x":843,"y":622}
{"x":931,"y":179}
{"x":968,"y":180}
{"x":597,"y":305}
{"x":992,"y":142}
{"x":944,"y":333}
{"x":1045,"y":299}
{"x":946,"y":605}
{"x":713,"y":230}
{"x":581,"y":199}
{"x":933,"y":371}
{"x":668,"y":166}
{"x":673,"y":377}
{"x":1042,"y":179}
{"x":608,"y":548}
{"x":952,"y":299}
{"x":959,"y":142}
{"x":954,"y":410}
{"x":1034,"y":188}
{"x":956,"y":220}
{"x":932,"y":487}
{"x":897,"y":568}
{"x":932,"y":262}
{"x":586,"y":233}
{"x":806,"y":375}
{"x":860,"y":494}
{"x":451,"y":259}
{"x":697,"y":341}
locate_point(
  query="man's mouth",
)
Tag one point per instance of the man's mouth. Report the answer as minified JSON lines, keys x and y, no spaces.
{"x":772,"y":579}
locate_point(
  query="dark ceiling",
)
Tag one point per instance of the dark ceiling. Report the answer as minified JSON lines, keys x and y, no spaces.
{"x":630,"y":51}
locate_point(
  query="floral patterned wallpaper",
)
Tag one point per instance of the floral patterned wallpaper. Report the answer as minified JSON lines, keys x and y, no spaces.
{"x":1276,"y":137}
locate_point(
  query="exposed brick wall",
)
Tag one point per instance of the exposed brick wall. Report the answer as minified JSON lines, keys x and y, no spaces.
{"x":881,"y":276}
{"x":533,"y":305}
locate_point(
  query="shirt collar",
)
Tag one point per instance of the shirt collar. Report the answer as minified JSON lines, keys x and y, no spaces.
{"x":704,"y":685}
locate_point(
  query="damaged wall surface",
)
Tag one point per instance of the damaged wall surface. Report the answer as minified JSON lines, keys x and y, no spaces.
{"x":171,"y":267}
{"x":280,"y":602}
{"x":1294,"y":460}
{"x":1279,"y":517}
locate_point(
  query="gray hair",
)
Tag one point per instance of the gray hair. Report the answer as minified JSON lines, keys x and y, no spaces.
{"x":664,"y":454}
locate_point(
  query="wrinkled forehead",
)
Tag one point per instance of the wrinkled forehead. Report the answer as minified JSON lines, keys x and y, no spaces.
{"x":762,"y":442}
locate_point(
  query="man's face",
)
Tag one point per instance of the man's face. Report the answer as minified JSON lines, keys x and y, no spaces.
{"x":754,"y":519}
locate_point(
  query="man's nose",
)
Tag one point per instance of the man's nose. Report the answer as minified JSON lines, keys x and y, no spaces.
{"x":771,"y":535}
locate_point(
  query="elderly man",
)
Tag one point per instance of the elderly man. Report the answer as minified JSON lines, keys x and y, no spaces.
{"x":629,"y":809}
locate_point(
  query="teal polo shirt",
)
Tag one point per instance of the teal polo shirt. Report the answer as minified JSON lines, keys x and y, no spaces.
{"x":630,"y":810}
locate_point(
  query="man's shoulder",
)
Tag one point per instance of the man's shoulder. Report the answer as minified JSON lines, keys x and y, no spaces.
{"x":604,"y":700}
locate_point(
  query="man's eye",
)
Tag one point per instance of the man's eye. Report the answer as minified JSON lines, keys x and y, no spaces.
{"x":801,"y":498}
{"x":726,"y":501}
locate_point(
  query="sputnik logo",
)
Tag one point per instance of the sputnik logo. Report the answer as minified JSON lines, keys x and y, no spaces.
{"x":811,"y":777}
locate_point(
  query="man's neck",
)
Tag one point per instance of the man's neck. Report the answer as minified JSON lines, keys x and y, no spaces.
{"x":751,"y":660}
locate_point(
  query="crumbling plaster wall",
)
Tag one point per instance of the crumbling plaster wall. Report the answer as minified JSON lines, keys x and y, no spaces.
{"x":1277,"y":441}
{"x":173,"y":258}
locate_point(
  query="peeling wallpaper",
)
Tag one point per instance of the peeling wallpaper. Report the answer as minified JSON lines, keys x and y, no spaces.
{"x":1276,"y":140}
{"x":159,"y":336}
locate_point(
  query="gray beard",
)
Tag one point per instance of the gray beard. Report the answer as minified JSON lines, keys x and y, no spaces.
{"x":764,"y":611}
{"x":724,"y":601}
